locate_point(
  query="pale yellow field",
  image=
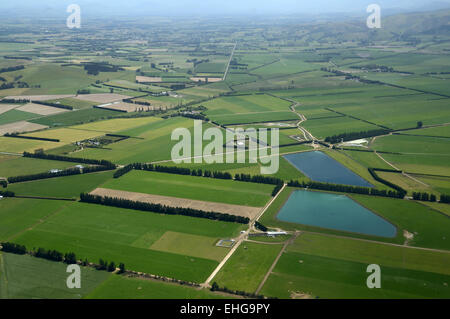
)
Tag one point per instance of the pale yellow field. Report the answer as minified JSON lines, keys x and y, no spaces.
{"x":116,"y":125}
{"x":66,"y":135}
{"x":19,"y":145}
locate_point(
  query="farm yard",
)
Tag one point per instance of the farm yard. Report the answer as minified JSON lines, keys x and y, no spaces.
{"x":87,"y":135}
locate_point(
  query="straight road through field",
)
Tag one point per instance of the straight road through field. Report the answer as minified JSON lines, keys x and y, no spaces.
{"x":239,"y":241}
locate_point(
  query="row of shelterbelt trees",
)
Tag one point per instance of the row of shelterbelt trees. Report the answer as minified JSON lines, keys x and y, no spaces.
{"x":54,"y":255}
{"x":160,"y":209}
{"x":198,"y":172}
{"x":347,"y":189}
{"x":66,"y":172}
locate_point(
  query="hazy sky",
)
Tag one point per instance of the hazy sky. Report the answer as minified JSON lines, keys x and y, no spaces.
{"x":205,"y":7}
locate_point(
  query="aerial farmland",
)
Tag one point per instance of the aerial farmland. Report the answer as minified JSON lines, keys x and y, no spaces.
{"x":356,"y":124}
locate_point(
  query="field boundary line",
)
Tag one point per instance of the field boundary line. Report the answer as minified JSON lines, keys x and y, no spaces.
{"x":275,"y":262}
{"x":403,"y":173}
{"x":39,"y":222}
{"x":4,"y":275}
{"x":379,"y":242}
{"x":240,"y":240}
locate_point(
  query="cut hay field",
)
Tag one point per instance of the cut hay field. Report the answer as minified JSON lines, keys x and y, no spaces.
{"x":206,"y":206}
{"x":19,"y":145}
{"x":325,"y":266}
{"x":197,"y":188}
{"x":65,"y":135}
{"x":116,"y":125}
{"x":247,"y":267}
{"x":121,"y":235}
{"x":26,"y":277}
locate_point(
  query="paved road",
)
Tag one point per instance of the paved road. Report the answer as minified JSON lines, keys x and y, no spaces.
{"x":229,"y":62}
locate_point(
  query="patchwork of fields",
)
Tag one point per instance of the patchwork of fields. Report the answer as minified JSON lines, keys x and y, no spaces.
{"x":115,"y":96}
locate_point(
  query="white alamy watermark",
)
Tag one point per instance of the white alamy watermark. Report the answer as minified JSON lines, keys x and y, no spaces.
{"x":374,"y":19}
{"x":237,"y":146}
{"x":74,"y":19}
{"x":374,"y":279}
{"x":74,"y":279}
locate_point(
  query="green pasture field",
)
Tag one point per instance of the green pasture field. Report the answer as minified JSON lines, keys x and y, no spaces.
{"x":369,"y":102}
{"x":234,"y":119}
{"x":367,"y":159}
{"x":76,"y":117}
{"x":413,"y":62}
{"x":440,"y":131}
{"x":335,"y":267}
{"x":407,"y":112}
{"x":406,"y":183}
{"x":122,"y":235}
{"x":243,"y":104}
{"x":16,"y":116}
{"x":152,"y":142}
{"x":75,"y":103}
{"x":417,"y":163}
{"x":210,"y":67}
{"x":120,"y":287}
{"x":197,"y":188}
{"x":413,"y":145}
{"x":322,"y":128}
{"x":440,"y":184}
{"x":443,"y":208}
{"x":428,"y":226}
{"x":26,"y":277}
{"x":18,"y":215}
{"x":116,"y":125}
{"x":286,"y":65}
{"x":180,"y":243}
{"x":419,"y":154}
{"x":16,"y":166}
{"x":247,"y":267}
{"x":57,"y":79}
{"x":324,"y":277}
{"x":413,"y":81}
{"x":61,"y":187}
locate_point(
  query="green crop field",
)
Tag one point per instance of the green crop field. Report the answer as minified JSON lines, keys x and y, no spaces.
{"x":152,"y":143}
{"x":374,"y":100}
{"x":247,"y":267}
{"x":26,"y":277}
{"x":62,"y":187}
{"x":17,"y":166}
{"x":121,"y":235}
{"x":339,"y":264}
{"x":76,"y":117}
{"x":198,"y":188}
{"x":119,"y":287}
